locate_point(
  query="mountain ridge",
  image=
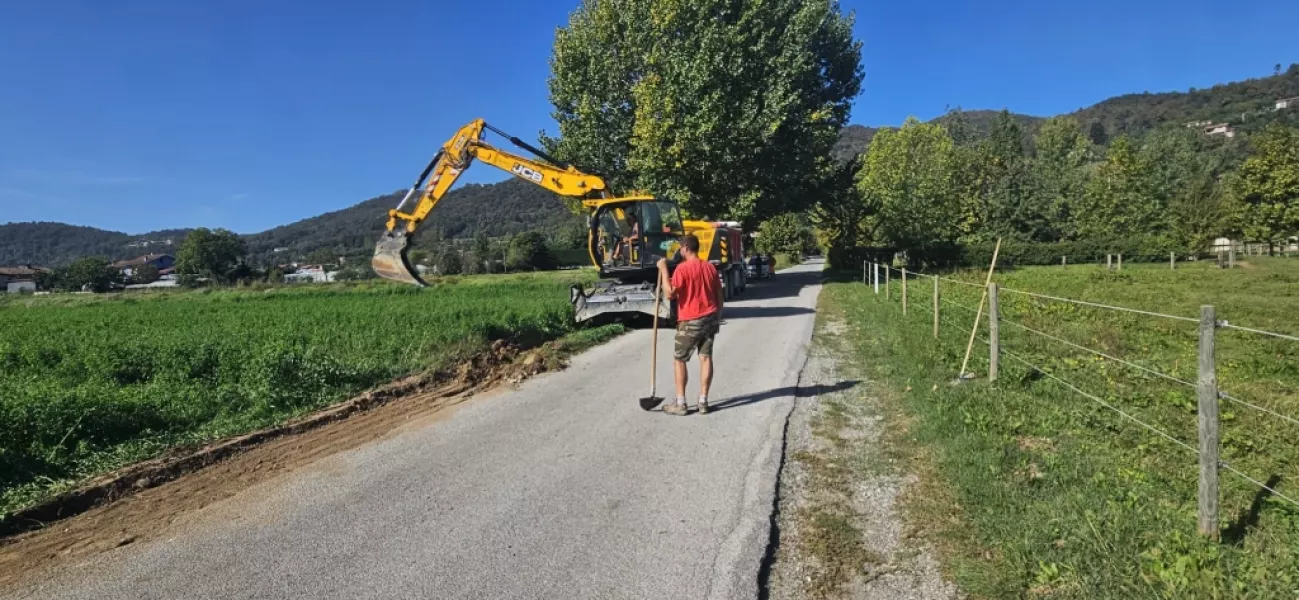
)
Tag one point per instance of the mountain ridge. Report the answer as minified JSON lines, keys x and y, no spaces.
{"x":512,"y":206}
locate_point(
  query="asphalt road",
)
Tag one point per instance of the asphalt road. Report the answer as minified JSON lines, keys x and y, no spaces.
{"x":562,"y":488}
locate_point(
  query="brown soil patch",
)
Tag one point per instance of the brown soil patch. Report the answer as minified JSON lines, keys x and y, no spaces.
{"x":140,"y":502}
{"x":1031,"y":443}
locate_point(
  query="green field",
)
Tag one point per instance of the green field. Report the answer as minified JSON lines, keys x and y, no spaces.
{"x":1060,"y":496}
{"x":89,"y":383}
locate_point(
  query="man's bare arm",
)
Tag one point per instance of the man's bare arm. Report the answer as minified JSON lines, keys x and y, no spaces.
{"x":668,"y":290}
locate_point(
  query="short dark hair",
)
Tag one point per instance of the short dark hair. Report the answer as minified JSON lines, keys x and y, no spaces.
{"x":690,"y":242}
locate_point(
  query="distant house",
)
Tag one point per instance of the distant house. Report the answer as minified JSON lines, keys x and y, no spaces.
{"x":310,"y":274}
{"x":1195,"y":124}
{"x":162,"y":261}
{"x":21,"y":278}
{"x":1222,"y":129}
{"x":1287,"y":103}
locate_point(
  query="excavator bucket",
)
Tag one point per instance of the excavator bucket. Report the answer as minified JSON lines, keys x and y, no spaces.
{"x":390,"y":260}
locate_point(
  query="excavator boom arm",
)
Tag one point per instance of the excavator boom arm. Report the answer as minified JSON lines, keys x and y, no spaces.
{"x":455,"y":156}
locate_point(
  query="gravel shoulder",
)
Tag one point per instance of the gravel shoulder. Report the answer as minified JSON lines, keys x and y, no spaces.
{"x":842,"y":530}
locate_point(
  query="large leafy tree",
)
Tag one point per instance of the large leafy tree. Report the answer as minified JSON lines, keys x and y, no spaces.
{"x":1120,"y":200}
{"x":1267,"y":186}
{"x":1062,"y":152}
{"x":730,"y":108}
{"x":209,"y":254}
{"x":92,"y":273}
{"x":907,"y":182}
{"x":990,"y":181}
{"x":529,"y":250}
{"x":786,"y":233}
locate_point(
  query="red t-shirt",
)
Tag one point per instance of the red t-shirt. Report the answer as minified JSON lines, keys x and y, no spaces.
{"x":696,"y":284}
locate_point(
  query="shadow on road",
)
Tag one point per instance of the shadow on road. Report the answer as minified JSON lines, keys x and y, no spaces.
{"x":804,"y":392}
{"x":783,"y":285}
{"x":750,"y":312}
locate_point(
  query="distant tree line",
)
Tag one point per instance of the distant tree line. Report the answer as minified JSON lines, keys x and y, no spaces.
{"x":935,"y":191}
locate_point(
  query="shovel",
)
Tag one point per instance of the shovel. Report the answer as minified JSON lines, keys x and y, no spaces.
{"x":652,"y":401}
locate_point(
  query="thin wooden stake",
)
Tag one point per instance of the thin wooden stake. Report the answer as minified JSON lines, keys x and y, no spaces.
{"x":994,"y":332}
{"x":935,"y":307}
{"x":1109,"y":262}
{"x":887,"y":277}
{"x":1172,"y":261}
{"x":979,"y":314}
{"x":863,"y":272}
{"x":1064,"y":261}
{"x":1208,"y":425}
{"x":904,"y":291}
{"x":875,"y":268}
{"x":1120,"y":262}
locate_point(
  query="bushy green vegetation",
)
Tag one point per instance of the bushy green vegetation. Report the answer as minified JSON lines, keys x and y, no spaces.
{"x":930,"y":189}
{"x":88,"y":382}
{"x":1064,"y":497}
{"x":734,"y":120}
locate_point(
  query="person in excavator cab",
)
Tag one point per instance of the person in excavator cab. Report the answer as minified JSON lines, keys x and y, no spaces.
{"x":628,"y":241}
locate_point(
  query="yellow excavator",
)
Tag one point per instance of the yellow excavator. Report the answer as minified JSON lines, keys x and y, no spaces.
{"x":628,"y":234}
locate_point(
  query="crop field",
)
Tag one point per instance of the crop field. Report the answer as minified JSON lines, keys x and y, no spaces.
{"x":1061,"y":495}
{"x":90,"y":383}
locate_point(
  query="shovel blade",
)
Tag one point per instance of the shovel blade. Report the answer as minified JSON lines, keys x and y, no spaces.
{"x":650,"y":402}
{"x":390,"y":260}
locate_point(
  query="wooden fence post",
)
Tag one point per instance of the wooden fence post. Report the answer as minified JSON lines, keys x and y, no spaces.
{"x":1172,"y":261}
{"x":994,"y":332}
{"x":935,"y":278}
{"x":1109,"y":262}
{"x":887,"y":276}
{"x":863,"y":272}
{"x":875,"y":268}
{"x":1064,"y":261}
{"x":1208,"y":425}
{"x":904,"y":291}
{"x":1231,"y":257}
{"x":1120,"y":261}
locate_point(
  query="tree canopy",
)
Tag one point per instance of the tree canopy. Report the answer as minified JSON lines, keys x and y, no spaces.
{"x":209,"y":254}
{"x":730,"y":109}
{"x":1171,"y":188}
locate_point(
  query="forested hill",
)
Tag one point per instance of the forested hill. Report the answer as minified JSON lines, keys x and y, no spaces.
{"x":514,"y":206}
{"x":1246,"y":105}
{"x":498,"y":209}
{"x":45,"y":243}
{"x":1239,"y":103}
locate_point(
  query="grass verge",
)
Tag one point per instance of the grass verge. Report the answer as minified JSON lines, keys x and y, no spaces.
{"x":89,"y":384}
{"x":1031,"y":490}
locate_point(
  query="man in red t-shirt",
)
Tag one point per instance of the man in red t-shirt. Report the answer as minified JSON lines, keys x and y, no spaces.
{"x":698,"y":291}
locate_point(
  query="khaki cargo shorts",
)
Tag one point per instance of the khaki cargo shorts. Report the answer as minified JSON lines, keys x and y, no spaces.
{"x":696,"y":334}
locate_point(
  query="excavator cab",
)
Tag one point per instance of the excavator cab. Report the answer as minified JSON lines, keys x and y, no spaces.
{"x":629,"y":269}
{"x":629,"y":236}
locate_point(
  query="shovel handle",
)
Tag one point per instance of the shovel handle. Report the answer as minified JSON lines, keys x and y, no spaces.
{"x":654,"y":338}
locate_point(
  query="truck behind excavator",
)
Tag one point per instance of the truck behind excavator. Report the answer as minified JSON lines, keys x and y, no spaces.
{"x":627,"y":234}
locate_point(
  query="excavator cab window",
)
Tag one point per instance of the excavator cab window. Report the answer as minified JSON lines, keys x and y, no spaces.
{"x":662,"y":228}
{"x":659,"y":226}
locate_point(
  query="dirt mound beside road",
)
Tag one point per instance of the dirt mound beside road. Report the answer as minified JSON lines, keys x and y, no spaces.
{"x":139,"y":502}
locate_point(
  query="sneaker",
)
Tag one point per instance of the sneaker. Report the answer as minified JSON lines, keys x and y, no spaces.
{"x":703,"y":407}
{"x":676,"y":408}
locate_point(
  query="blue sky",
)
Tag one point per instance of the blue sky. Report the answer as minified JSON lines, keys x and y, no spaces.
{"x":138,"y":115}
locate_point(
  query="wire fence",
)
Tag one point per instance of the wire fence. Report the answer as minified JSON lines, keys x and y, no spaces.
{"x":1205,"y":385}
